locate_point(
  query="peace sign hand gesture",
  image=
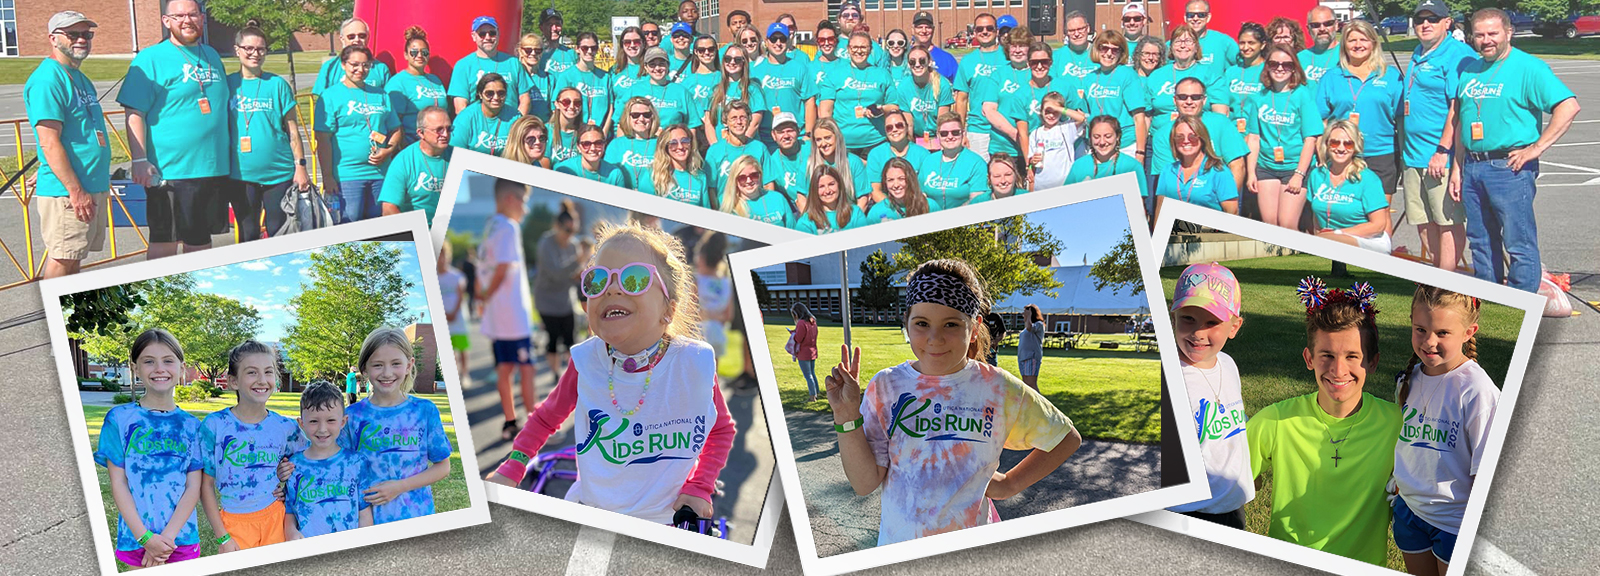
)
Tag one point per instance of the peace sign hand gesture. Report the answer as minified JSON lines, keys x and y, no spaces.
{"x":844,"y":386}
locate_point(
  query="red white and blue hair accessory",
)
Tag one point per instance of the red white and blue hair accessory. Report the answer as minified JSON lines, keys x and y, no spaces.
{"x":1314,"y":294}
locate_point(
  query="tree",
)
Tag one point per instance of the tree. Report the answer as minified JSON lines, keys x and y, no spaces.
{"x":280,"y":19}
{"x":218,"y":324}
{"x":354,"y":289}
{"x":763,"y":297}
{"x":1119,"y":268}
{"x":103,"y":309}
{"x":577,"y":16}
{"x":877,"y":291}
{"x":540,"y":219}
{"x":207,"y":325}
{"x":1002,"y":251}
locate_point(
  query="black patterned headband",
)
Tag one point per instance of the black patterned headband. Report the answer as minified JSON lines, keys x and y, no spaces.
{"x":942,"y":288}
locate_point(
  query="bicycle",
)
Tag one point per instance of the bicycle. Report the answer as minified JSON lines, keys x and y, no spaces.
{"x":543,"y":468}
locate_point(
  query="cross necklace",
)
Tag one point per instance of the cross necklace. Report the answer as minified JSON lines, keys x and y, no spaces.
{"x":1335,"y":443}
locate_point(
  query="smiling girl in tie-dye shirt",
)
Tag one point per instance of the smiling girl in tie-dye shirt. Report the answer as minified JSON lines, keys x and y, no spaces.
{"x":933,"y":429}
{"x":401,"y":436}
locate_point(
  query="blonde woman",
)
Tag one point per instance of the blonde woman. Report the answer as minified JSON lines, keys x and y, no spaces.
{"x":677,"y":171}
{"x":634,"y":150}
{"x":828,"y":149}
{"x":1368,"y":92}
{"x":527,"y":142}
{"x":743,"y":194}
{"x":1345,"y":194}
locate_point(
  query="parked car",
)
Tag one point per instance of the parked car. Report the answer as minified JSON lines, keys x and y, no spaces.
{"x":956,"y":42}
{"x":1523,"y":21}
{"x":1570,"y":27}
{"x":1397,"y":25}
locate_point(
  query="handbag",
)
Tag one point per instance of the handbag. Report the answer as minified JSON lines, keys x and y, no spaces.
{"x":304,"y":209}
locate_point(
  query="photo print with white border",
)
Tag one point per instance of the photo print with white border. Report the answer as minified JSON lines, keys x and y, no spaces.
{"x":352,"y":307}
{"x":1312,"y":455}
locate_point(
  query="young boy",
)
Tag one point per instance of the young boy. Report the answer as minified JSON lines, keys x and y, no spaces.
{"x":1331,"y":452}
{"x":1053,"y":146}
{"x":242,"y":446}
{"x":1205,"y":315}
{"x":507,"y":321}
{"x":324,"y":493}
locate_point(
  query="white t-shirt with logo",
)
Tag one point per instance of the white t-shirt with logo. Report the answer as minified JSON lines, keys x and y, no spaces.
{"x":1442,"y":439}
{"x":1223,"y":445}
{"x":1059,"y":147}
{"x":638,"y":464}
{"x":941,"y":439}
{"x":505,"y":314}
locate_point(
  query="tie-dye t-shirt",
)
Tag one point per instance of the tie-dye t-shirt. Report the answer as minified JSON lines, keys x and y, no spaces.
{"x":327,"y":495}
{"x":397,"y":442}
{"x":157,"y":452}
{"x":244,"y":457}
{"x":941,"y":438}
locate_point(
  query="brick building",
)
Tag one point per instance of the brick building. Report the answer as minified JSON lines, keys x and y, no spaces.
{"x":126,"y":26}
{"x":951,"y":17}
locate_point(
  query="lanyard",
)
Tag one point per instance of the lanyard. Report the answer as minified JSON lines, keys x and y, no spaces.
{"x":1277,"y":130}
{"x":1477,"y":103}
{"x":1100,"y":103}
{"x":248,"y":114}
{"x":1355,"y":93}
{"x":200,"y":77}
{"x":1420,"y":59}
{"x":493,"y":132}
{"x":1097,"y":164}
{"x":1186,"y":193}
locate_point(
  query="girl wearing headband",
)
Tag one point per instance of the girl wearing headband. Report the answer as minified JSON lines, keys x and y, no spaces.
{"x":638,"y":451}
{"x":930,"y":431}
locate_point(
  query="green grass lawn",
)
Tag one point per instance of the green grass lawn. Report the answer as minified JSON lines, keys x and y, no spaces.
{"x":1112,"y":395}
{"x":1269,"y":344}
{"x":98,"y":69}
{"x":448,"y":494}
{"x":1578,"y":48}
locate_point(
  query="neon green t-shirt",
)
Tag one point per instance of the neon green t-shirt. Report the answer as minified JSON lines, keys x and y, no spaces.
{"x":1336,"y":506}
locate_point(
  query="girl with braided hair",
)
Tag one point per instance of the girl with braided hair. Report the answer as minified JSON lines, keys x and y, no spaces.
{"x":930,"y":430}
{"x":1448,"y":402}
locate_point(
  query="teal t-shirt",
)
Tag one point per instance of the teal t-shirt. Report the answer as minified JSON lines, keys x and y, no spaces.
{"x":858,"y":87}
{"x":784,"y":88}
{"x":537,"y":86}
{"x":1282,"y":120}
{"x":410,"y":93}
{"x":1069,"y":62}
{"x":771,"y":207}
{"x":470,"y":68}
{"x":882,"y":153}
{"x":65,"y":95}
{"x":332,"y":74}
{"x":954,"y":182}
{"x":352,"y":115}
{"x":858,"y":176}
{"x":821,"y":72}
{"x":1377,"y":99}
{"x":672,"y":102}
{"x":563,"y":146}
{"x":622,"y":83}
{"x":1085,"y":168}
{"x":397,"y":442}
{"x":804,"y":223}
{"x":1345,"y":205}
{"x":692,"y":188}
{"x":1119,"y":94}
{"x":242,"y":458}
{"x":1225,"y":138}
{"x":757,"y":100}
{"x":700,"y":84}
{"x":596,"y":87}
{"x":789,"y":174}
{"x":1317,"y":64}
{"x":558,"y":58}
{"x":608,"y":173}
{"x":475,"y":130}
{"x":721,"y":155}
{"x":1162,"y":85}
{"x":633,"y":156}
{"x":887,"y":210}
{"x":976,"y":69}
{"x":415,"y":180}
{"x":1510,"y":97}
{"x":923,"y":102}
{"x":182,"y":93}
{"x":1209,"y":187}
{"x":1004,"y":85}
{"x":1427,"y":104}
{"x":256,"y":112}
{"x":1026,"y":105}
{"x":1238,"y":85}
{"x":157,"y":451}
{"x":1218,"y":51}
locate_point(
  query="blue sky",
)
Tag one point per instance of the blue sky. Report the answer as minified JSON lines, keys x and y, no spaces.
{"x":268,"y":284}
{"x":1089,"y":228}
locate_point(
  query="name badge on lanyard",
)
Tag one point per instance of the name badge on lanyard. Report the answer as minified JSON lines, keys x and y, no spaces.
{"x":1408,"y":107}
{"x":1241,"y":122}
{"x":244,"y":144}
{"x":1277,"y":153}
{"x":100,"y":135}
{"x":205,"y":105}
{"x":1477,"y":130}
{"x":1355,"y":118}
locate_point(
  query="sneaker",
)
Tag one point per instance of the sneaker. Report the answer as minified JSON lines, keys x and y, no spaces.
{"x":509,"y":430}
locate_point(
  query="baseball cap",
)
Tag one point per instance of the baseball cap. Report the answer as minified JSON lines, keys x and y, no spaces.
{"x":482,"y":20}
{"x":850,"y":6}
{"x":1005,"y":22}
{"x":549,"y":14}
{"x":1209,"y":286}
{"x":1437,"y":7}
{"x":1132,"y":7}
{"x":682,"y":27}
{"x":654,"y":53}
{"x":66,"y":18}
{"x":782,"y":118}
{"x":923,"y":16}
{"x":777,"y":28}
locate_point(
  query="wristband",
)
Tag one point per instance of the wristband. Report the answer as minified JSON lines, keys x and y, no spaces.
{"x":850,"y":426}
{"x":146,"y":538}
{"x":1443,"y":150}
{"x":224,"y":539}
{"x":138,"y":160}
{"x":518,"y":456}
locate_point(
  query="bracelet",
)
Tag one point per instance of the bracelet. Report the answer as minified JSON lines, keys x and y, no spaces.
{"x":138,"y":160}
{"x":850,"y":426}
{"x":518,"y":456}
{"x":224,"y":539}
{"x":146,"y":538}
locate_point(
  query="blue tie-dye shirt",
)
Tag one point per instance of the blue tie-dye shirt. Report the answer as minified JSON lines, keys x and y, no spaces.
{"x":243,"y":458}
{"x":327,"y":495}
{"x":397,"y":442}
{"x":156,"y":450}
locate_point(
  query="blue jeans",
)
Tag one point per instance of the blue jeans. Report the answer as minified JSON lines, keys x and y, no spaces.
{"x":809,"y":368}
{"x":1500,"y":224}
{"x":359,"y":199}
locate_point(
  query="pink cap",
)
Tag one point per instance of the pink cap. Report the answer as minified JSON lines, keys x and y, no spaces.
{"x":1209,"y":286}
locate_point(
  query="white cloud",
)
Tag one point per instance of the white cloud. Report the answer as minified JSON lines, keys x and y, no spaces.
{"x":203,"y":284}
{"x":222,"y":276}
{"x":255,"y":265}
{"x":277,"y":271}
{"x":299,"y":262}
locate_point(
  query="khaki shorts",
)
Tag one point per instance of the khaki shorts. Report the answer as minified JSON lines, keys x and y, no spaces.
{"x":1428,"y":200}
{"x":65,"y":236}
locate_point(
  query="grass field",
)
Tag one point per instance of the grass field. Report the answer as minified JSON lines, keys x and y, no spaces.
{"x":101,"y":69}
{"x":1111,"y":395}
{"x":448,"y":494}
{"x":1579,"y":48}
{"x":1269,"y":344}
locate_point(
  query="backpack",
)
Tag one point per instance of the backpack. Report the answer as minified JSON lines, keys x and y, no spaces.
{"x":304,"y":209}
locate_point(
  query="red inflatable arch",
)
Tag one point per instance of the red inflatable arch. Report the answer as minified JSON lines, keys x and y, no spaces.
{"x":448,"y":25}
{"x":1228,"y":15}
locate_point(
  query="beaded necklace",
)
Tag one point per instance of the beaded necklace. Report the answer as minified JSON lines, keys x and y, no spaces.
{"x":645,"y":360}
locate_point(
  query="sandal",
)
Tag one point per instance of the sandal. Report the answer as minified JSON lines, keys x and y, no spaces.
{"x":509,"y":430}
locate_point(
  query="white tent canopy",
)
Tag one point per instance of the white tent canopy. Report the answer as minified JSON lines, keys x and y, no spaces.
{"x":1078,"y":296}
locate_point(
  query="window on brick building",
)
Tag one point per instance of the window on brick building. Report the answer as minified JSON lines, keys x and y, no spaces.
{"x":8,"y":28}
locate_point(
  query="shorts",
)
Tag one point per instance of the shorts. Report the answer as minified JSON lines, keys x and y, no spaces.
{"x":182,"y":211}
{"x":559,"y":329}
{"x":515,"y":351}
{"x":460,"y":342}
{"x":1265,"y":173}
{"x":1413,"y":535}
{"x":66,"y":237}
{"x":1029,"y":367}
{"x":1381,"y":244}
{"x":1428,"y":200}
{"x":1388,"y":171}
{"x":135,"y":557}
{"x":256,"y":529}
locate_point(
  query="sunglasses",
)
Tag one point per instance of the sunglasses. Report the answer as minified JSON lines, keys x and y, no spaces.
{"x":1187,"y":139}
{"x":749,"y":177}
{"x":1279,"y":65}
{"x":85,"y":35}
{"x":591,"y":143}
{"x":568,"y":102}
{"x":1430,"y":19}
{"x":678,"y":143}
{"x":917,"y":61}
{"x":489,"y":34}
{"x":641,"y":115}
{"x":949,"y":133}
{"x":634,"y":279}
{"x":981,"y":29}
{"x":587,"y":47}
{"x":1189,"y":97}
{"x":633,"y":42}
{"x":656,"y":33}
{"x":778,"y":39}
{"x":1038,"y":63}
{"x":705,"y":50}
{"x":895,"y":126}
{"x":1110,"y":49}
{"x":416,"y":53}
{"x":1132,"y":19}
{"x":1341,"y":144}
{"x":1322,"y":24}
{"x":533,"y":140}
{"x":739,"y":60}
{"x":494,"y":94}
{"x":828,"y":39}
{"x":895,"y":44}
{"x":1195,"y":15}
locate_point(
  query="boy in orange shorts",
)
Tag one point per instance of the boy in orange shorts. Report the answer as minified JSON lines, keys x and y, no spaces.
{"x":241,"y":447}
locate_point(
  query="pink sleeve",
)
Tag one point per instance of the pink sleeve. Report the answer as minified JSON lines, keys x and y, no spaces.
{"x":703,"y":480}
{"x":546,"y":419}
